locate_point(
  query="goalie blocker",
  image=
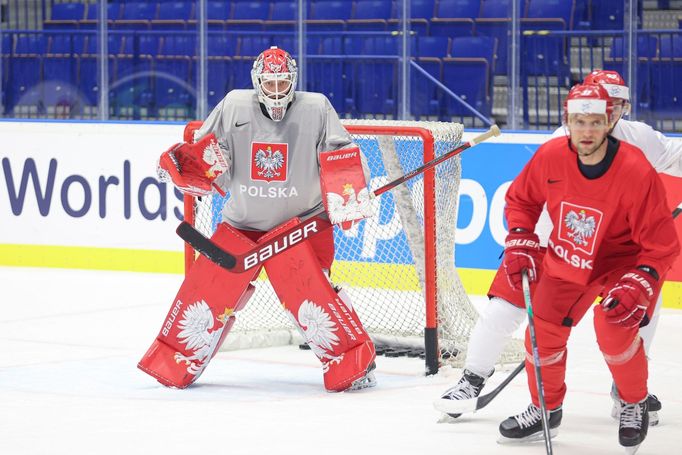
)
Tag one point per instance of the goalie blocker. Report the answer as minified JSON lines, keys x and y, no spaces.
{"x":344,"y":187}
{"x":204,"y":311}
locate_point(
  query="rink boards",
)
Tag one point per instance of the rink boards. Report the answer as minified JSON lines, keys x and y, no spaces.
{"x":85,"y":195}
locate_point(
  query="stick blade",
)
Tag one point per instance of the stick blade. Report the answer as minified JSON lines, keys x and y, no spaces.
{"x":205,"y":246}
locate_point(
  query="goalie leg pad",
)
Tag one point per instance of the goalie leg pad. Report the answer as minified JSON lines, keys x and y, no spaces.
{"x":201,"y":316}
{"x":326,"y":321}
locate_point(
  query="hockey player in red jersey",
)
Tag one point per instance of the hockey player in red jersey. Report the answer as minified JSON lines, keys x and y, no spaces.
{"x":266,"y":148}
{"x":505,"y":311}
{"x":612,"y":238}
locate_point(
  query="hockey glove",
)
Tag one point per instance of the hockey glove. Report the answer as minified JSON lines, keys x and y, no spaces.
{"x":193,"y":167}
{"x":627,"y":302}
{"x":521,"y":251}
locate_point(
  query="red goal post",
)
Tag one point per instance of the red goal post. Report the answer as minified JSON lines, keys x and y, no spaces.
{"x":398,"y":267}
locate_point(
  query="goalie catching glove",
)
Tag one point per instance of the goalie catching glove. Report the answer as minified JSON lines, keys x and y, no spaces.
{"x":193,"y":168}
{"x":627,"y":302}
{"x":344,"y":188}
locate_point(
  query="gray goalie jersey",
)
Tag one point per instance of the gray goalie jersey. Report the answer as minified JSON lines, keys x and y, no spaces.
{"x":275,"y":165}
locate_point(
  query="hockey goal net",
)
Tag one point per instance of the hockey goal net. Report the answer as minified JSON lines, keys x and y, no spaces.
{"x":398,"y":267}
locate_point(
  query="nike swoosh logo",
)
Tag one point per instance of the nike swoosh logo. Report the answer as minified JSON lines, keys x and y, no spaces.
{"x":550,"y":181}
{"x":237,"y":124}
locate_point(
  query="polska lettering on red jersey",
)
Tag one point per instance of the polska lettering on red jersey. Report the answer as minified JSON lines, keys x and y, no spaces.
{"x":573,"y":260}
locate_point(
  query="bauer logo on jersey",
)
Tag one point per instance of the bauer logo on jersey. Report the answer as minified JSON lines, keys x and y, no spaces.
{"x":579,"y":226}
{"x":269,"y":161}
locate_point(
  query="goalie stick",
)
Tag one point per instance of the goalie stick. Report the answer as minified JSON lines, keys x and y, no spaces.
{"x":474,"y":404}
{"x":238,"y":263}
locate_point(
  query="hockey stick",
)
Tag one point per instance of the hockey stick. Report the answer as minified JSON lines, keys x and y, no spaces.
{"x":536,"y":361}
{"x":238,"y":263}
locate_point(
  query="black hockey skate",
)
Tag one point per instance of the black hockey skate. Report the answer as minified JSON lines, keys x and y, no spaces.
{"x":468,"y":387}
{"x":527,"y":426}
{"x":634,"y":423}
{"x":654,"y":406}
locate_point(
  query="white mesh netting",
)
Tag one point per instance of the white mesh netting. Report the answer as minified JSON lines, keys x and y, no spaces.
{"x":382,"y":261}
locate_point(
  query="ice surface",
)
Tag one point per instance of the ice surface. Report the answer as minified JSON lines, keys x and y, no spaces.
{"x":69,"y":385}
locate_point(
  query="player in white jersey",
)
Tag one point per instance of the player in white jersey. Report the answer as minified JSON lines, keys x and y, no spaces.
{"x":505,"y":311}
{"x":264,"y":147}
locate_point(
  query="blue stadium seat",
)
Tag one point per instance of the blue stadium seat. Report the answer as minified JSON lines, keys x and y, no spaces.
{"x":60,"y":69}
{"x":421,"y":12}
{"x":544,"y":54}
{"x":468,"y":73}
{"x":374,"y":76}
{"x":221,"y":49}
{"x":25,"y":74}
{"x":92,"y":15}
{"x":431,"y":46}
{"x":248,"y":15}
{"x":65,"y":15}
{"x":549,"y":11}
{"x":425,"y":96}
{"x":606,"y":15}
{"x":217,"y":12}
{"x":174,"y":72}
{"x":329,"y":15}
{"x":666,"y":84}
{"x":493,"y":21}
{"x":136,"y":15}
{"x":455,"y":17}
{"x":328,"y":73}
{"x":173,"y":15}
{"x":88,"y":63}
{"x":372,"y":15}
{"x":284,"y":15}
{"x":133,"y":89}
{"x":647,"y":51}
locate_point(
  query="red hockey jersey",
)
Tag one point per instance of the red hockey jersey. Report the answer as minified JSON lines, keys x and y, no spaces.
{"x":617,"y":220}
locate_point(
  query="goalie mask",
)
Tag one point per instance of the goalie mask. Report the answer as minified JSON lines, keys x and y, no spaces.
{"x":274,"y":77}
{"x":616,"y":87}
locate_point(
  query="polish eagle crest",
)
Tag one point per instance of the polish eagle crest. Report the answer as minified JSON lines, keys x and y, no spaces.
{"x":317,"y":328}
{"x":197,"y":333}
{"x":581,"y":227}
{"x":269,"y":162}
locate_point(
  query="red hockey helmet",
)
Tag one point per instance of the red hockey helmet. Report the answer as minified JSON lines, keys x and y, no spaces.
{"x":588,"y":99}
{"x":611,"y":81}
{"x":274,"y":75}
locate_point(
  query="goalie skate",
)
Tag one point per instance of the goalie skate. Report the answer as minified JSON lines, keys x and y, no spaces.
{"x":365,"y":382}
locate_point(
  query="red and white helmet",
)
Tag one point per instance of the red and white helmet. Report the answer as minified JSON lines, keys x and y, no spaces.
{"x":612,"y":81}
{"x":588,"y":99}
{"x":274,"y":76}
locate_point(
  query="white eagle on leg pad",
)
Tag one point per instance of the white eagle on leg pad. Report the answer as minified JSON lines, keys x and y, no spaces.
{"x":269,"y":162}
{"x":197,"y":321}
{"x":317,"y":328}
{"x":582,"y":227}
